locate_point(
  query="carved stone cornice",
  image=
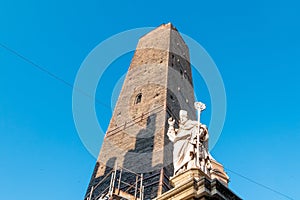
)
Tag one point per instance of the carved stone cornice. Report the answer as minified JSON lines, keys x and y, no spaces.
{"x":194,"y":184}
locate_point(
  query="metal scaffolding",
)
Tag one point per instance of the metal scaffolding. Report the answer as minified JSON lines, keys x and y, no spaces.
{"x":119,"y":188}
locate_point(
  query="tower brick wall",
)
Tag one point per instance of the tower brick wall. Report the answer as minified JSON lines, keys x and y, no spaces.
{"x":158,"y":84}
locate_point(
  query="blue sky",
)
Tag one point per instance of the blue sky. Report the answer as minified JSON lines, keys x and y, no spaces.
{"x":255,"y":45}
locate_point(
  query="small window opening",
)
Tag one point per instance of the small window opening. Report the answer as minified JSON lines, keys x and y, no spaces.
{"x":172,"y":98}
{"x":148,"y":121}
{"x":138,"y":98}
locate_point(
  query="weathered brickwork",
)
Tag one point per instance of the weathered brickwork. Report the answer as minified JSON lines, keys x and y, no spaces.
{"x":158,"y":84}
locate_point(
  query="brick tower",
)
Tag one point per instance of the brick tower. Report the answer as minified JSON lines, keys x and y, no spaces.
{"x":158,"y":84}
{"x":135,"y":161}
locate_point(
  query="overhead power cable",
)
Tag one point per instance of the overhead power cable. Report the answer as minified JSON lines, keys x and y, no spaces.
{"x":52,"y":75}
{"x":49,"y":73}
{"x":259,"y":184}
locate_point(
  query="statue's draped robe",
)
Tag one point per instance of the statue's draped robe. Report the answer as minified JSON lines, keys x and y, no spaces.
{"x":184,"y":144}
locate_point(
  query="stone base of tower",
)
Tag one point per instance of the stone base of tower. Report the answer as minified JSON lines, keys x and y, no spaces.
{"x":194,"y":184}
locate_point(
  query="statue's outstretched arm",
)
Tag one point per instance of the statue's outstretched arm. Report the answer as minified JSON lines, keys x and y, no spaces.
{"x":171,"y":135}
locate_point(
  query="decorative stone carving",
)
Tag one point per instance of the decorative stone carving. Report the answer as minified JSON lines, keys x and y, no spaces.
{"x":190,"y":143}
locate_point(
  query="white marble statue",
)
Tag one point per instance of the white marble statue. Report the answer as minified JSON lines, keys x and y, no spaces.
{"x":187,"y":139}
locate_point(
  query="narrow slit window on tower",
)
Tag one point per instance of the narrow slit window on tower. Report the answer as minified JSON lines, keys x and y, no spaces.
{"x":172,"y":98}
{"x":181,"y":72}
{"x":138,"y":98}
{"x":148,"y":121}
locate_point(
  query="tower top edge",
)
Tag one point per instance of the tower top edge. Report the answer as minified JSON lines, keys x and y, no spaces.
{"x":164,"y":37}
{"x":169,"y":25}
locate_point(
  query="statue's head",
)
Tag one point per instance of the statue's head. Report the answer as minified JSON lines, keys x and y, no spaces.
{"x":183,"y":116}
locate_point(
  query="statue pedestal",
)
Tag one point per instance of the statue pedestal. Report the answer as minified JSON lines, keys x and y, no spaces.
{"x":190,"y":174}
{"x":194,"y":184}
